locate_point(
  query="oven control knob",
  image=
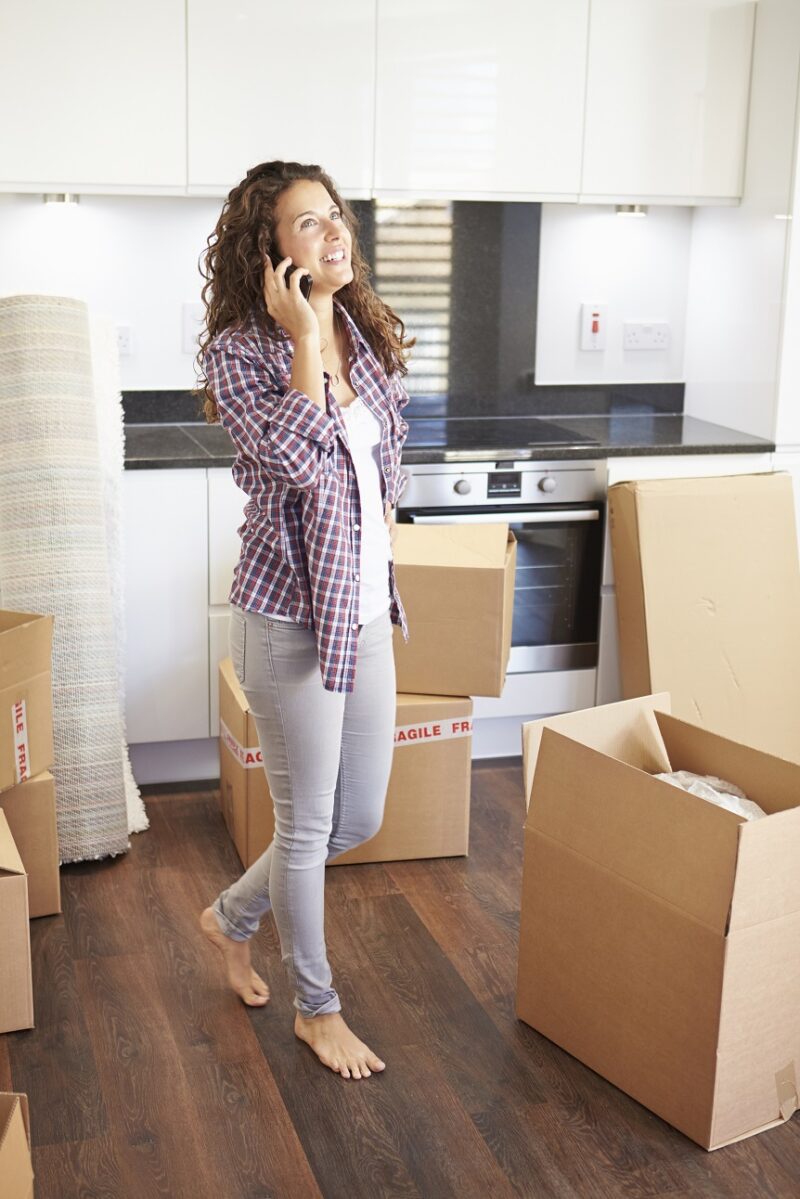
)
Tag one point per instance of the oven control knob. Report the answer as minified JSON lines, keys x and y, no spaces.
{"x":462,"y":487}
{"x":548,"y":483}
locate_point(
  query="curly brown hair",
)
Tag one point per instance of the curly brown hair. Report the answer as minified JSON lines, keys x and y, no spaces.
{"x":232,"y":265}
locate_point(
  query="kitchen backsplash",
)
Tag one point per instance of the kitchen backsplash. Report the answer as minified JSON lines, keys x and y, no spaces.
{"x":492,"y":291}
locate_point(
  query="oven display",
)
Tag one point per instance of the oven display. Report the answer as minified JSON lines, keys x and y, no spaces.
{"x":506,"y":483}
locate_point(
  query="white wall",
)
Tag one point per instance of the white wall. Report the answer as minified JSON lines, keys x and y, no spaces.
{"x":638,"y":266}
{"x":737,"y":287}
{"x":132,"y":258}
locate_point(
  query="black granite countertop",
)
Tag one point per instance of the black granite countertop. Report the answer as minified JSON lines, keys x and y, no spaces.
{"x":453,"y":439}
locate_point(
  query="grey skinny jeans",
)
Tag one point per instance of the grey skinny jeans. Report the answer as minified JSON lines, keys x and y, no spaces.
{"x":328,"y":757}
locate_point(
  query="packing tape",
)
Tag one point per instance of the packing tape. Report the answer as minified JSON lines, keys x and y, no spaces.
{"x":22,"y":756}
{"x":247,"y":756}
{"x":404,"y":734}
{"x":786,"y":1083}
{"x":435,"y":730}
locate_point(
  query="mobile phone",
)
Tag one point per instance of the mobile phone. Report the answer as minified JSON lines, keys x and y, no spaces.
{"x":305,"y":282}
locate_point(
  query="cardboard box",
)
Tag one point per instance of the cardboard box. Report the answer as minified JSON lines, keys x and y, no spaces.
{"x":428,"y":797}
{"x":708,"y":597}
{"x":457,"y":586}
{"x":30,"y":811}
{"x":26,"y":705}
{"x":244,"y":791}
{"x":16,"y":992}
{"x":660,"y":934}
{"x":16,"y":1169}
{"x":427,"y":801}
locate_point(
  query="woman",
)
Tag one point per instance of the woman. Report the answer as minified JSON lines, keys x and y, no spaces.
{"x":310,"y":391}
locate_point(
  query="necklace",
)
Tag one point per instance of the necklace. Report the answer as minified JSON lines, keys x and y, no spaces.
{"x":334,"y":375}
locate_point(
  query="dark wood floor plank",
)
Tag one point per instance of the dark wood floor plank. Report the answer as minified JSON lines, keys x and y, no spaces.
{"x":103,"y":913}
{"x":5,"y":1066}
{"x":54,"y":1062}
{"x":80,"y":1170}
{"x":246,"y":1127}
{"x":160,"y":1146}
{"x":206,"y":1018}
{"x":426,"y":1002}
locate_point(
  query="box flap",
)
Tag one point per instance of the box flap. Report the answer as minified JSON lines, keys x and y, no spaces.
{"x":625,"y":730}
{"x":10,"y":861}
{"x":15,"y":1156}
{"x":26,"y":643}
{"x":771,"y":782}
{"x":768,"y":872}
{"x":721,"y":586}
{"x":663,"y":840}
{"x":468,"y":546}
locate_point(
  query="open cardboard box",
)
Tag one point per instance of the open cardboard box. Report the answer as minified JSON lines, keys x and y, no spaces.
{"x":16,"y":1170}
{"x":457,"y":586}
{"x":16,"y":989}
{"x":427,"y":800}
{"x":26,"y":704}
{"x":30,"y":810}
{"x":660,"y":934}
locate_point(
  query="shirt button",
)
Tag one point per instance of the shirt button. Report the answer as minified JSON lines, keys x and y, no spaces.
{"x":356,"y":576}
{"x":356,"y":527}
{"x":354,"y":628}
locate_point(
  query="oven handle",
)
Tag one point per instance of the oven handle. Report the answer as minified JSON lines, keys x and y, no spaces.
{"x":491,"y":518}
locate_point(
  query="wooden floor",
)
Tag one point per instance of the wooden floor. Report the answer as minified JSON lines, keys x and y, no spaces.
{"x":146,"y":1077}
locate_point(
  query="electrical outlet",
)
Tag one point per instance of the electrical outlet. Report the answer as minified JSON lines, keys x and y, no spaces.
{"x":645,"y":335}
{"x":124,"y":341}
{"x":193,"y":319}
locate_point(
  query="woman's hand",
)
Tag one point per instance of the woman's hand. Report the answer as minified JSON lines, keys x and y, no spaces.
{"x":287,"y":305}
{"x":388,"y":516}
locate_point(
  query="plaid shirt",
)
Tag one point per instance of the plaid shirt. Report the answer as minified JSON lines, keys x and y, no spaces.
{"x":301,"y":540}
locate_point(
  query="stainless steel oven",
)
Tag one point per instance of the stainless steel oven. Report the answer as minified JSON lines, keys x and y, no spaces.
{"x":556,"y":511}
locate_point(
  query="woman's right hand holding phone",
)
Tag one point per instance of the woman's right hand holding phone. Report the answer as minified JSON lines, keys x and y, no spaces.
{"x":287,"y":305}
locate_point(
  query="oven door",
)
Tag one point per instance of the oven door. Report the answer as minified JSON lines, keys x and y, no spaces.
{"x":557,"y":583}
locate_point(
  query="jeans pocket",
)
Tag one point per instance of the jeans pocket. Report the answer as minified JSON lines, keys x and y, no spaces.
{"x":238,"y":637}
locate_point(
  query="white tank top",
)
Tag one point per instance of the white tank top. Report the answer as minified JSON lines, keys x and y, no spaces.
{"x":364,"y":437}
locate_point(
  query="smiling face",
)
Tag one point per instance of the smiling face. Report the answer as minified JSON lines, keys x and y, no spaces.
{"x":310,"y":229}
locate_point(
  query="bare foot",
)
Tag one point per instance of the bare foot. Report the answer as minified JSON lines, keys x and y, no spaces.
{"x":336,"y":1046}
{"x":248,"y":985}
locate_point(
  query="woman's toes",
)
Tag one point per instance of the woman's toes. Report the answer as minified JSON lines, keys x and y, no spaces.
{"x":259,"y":986}
{"x":375,"y":1063}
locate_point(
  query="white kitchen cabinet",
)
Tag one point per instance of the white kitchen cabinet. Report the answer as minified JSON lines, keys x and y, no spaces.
{"x":620,"y":470}
{"x":166,"y":605}
{"x":480,"y":98}
{"x":93,"y":96}
{"x":667,"y":96}
{"x":225,"y":515}
{"x":280,"y":81}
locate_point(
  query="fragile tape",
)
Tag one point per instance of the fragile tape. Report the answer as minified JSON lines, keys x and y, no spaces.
{"x":404,"y":734}
{"x":434,"y":730}
{"x":247,"y":756}
{"x":22,"y":755}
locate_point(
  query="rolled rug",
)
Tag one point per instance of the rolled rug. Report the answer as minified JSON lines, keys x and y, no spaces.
{"x":54,"y":556}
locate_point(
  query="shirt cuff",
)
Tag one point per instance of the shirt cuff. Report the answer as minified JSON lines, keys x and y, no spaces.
{"x":298,"y":414}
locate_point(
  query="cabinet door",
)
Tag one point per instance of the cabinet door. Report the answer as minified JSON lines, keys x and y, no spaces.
{"x":166,"y":605}
{"x":291,"y":81}
{"x":93,"y":95}
{"x":225,"y":516}
{"x":480,"y":98}
{"x":666,"y":98}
